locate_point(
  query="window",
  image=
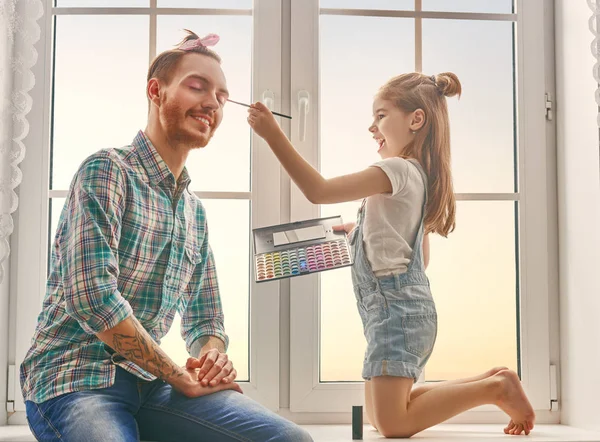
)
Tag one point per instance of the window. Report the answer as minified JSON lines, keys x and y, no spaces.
{"x":482,"y":277}
{"x":99,"y":52}
{"x":489,"y":279}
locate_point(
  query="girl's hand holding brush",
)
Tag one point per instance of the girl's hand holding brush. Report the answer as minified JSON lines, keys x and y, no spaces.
{"x":263,"y":122}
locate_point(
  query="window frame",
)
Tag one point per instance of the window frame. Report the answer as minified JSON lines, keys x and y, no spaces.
{"x":273,"y":198}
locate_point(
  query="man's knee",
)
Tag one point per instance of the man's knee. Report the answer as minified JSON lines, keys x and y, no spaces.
{"x":256,"y":422}
{"x":278,"y":429}
{"x":294,"y":433}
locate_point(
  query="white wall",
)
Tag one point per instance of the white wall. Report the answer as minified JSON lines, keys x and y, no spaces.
{"x":579,"y":216}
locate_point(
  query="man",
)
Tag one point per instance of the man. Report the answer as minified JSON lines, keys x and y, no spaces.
{"x":131,"y":248}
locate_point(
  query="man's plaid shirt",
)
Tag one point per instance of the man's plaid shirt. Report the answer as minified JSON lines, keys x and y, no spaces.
{"x":130,"y":240}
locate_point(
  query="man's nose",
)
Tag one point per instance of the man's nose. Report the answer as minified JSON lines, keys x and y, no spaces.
{"x":211,"y":102}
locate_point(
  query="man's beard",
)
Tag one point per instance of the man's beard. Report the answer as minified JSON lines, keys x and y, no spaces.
{"x":176,"y":130}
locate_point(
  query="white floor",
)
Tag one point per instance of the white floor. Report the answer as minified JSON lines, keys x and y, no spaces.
{"x":441,"y":433}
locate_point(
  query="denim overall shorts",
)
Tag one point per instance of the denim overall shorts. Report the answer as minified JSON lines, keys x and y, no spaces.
{"x":397,"y":311}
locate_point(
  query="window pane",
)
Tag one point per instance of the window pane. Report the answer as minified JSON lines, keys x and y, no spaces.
{"x":489,"y":300}
{"x":482,"y":122}
{"x":342,"y":340}
{"x":219,"y":4}
{"x":229,"y":236}
{"x":352,"y":70}
{"x":98,"y":103}
{"x":487,"y":6}
{"x":394,"y":5}
{"x":102,"y":3}
{"x":473,"y":281}
{"x":224,"y":164}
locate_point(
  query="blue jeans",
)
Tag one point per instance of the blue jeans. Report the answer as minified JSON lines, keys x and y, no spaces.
{"x":133,"y":409}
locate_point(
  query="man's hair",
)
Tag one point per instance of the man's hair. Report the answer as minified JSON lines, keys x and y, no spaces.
{"x":166,"y":62}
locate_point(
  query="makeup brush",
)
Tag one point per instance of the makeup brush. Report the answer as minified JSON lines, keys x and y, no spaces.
{"x":247,"y":105}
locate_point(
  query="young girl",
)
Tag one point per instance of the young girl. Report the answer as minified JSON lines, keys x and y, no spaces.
{"x":407,"y":195}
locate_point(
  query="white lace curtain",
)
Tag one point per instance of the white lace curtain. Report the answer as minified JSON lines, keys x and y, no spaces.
{"x":19,"y":31}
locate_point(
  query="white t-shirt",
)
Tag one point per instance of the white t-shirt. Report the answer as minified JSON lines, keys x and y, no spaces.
{"x":392,"y":220}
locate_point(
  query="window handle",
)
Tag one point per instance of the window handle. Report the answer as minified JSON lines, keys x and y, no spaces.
{"x":268,"y":99}
{"x":303,"y":101}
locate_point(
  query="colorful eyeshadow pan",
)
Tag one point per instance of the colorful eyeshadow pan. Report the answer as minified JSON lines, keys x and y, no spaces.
{"x":301,"y":248}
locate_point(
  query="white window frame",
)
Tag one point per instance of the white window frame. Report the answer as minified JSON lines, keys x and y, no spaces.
{"x":29,"y":256}
{"x":536,"y":218}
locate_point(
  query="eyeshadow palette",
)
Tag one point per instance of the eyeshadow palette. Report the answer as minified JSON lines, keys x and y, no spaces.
{"x":299,"y":248}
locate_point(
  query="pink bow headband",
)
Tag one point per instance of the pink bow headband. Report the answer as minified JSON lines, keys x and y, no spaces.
{"x":209,"y":40}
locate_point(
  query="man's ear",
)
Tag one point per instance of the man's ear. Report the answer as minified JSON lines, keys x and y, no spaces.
{"x":153,"y":91}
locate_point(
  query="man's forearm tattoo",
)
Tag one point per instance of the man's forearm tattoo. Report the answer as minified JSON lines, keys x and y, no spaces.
{"x":142,"y":350}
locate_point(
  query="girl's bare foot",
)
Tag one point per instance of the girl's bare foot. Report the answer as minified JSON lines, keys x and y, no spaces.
{"x":513,"y":401}
{"x":515,"y":429}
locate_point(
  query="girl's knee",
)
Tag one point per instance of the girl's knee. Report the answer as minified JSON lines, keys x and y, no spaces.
{"x":390,"y":428}
{"x":393,"y":432}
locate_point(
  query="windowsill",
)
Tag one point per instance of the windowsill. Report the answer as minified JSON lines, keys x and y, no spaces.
{"x":440,"y":433}
{"x":458,"y":432}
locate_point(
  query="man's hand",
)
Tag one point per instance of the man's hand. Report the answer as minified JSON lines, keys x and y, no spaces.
{"x":263,"y":122}
{"x":348,"y":227}
{"x":214,"y":368}
{"x":191,"y":387}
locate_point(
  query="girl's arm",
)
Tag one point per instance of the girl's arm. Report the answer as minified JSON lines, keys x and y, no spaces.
{"x":317,"y":189}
